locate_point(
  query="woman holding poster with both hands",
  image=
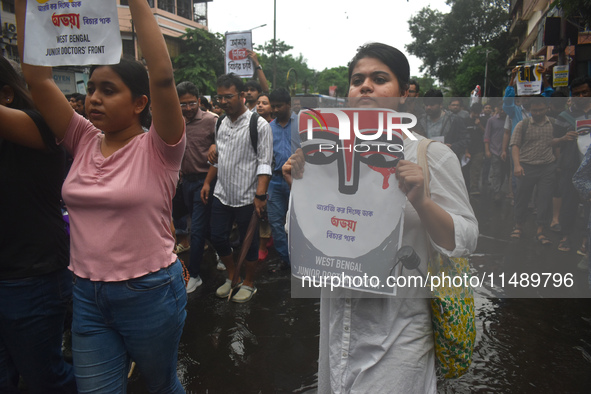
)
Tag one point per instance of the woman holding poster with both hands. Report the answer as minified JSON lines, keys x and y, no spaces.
{"x":378,"y":345}
{"x":129,"y":295}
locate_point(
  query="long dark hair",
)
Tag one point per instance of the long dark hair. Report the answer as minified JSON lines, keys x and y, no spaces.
{"x":9,"y":77}
{"x":135,"y":77}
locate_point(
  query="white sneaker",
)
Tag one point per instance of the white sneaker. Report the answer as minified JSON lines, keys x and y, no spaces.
{"x":220,"y":266}
{"x":181,"y":249}
{"x":193,"y":284}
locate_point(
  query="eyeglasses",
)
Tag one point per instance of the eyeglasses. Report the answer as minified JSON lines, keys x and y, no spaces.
{"x":192,"y":104}
{"x":226,"y":97}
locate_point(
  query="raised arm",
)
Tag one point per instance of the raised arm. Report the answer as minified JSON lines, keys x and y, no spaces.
{"x":166,"y":110}
{"x":258,"y":72}
{"x":16,"y":126}
{"x":48,"y":98}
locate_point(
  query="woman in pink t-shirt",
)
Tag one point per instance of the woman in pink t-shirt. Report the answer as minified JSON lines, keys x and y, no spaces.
{"x":129,"y":296}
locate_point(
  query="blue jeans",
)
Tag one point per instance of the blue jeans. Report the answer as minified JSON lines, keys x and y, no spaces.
{"x":32,"y":312}
{"x":200,"y":219}
{"x":222,"y":218}
{"x":277,"y":209}
{"x":139,"y":319}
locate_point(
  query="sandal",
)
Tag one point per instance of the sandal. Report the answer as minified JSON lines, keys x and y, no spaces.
{"x":582,"y":250}
{"x":564,"y":246}
{"x":543,"y":240}
{"x":556,"y":228}
{"x":516,"y":233}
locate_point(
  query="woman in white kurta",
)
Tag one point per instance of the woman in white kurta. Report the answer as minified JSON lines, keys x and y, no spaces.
{"x":385,"y":345}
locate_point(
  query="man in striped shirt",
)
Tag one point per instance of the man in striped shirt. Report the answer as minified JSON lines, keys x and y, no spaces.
{"x":242,"y":180}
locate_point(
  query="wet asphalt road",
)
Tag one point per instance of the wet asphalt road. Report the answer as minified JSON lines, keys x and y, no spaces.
{"x":270,"y":345}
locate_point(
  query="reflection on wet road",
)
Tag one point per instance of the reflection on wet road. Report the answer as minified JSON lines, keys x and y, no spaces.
{"x":270,"y":345}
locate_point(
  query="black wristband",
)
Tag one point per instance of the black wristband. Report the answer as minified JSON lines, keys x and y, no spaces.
{"x":262,"y":197}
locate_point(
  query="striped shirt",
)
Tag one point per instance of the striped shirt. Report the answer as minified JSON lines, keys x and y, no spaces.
{"x":238,"y":165}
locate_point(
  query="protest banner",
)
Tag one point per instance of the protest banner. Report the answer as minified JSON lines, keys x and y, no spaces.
{"x":529,"y":80}
{"x":237,"y":61}
{"x":584,"y":138}
{"x":560,"y":76}
{"x":346,"y":216}
{"x":80,"y":32}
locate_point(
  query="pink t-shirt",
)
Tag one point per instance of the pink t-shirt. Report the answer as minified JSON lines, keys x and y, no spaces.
{"x":120,"y":206}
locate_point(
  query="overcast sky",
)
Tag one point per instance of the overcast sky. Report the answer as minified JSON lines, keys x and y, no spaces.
{"x":326,"y":32}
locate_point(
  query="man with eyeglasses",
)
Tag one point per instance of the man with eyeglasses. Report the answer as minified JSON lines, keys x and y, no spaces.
{"x":194,"y":168}
{"x":243,"y":174}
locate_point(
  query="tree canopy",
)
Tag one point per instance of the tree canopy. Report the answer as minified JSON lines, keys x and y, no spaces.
{"x":201,"y":60}
{"x":577,"y":10}
{"x":336,"y":76}
{"x":286,"y":63}
{"x":441,"y":40}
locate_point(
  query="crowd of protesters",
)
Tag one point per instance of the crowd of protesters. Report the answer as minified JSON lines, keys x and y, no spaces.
{"x":524,"y":149}
{"x":131,"y":152}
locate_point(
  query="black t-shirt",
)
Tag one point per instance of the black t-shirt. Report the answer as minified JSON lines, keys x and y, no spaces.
{"x":33,"y":239}
{"x":476,"y":133}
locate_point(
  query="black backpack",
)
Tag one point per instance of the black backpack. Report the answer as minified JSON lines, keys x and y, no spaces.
{"x":254,"y":133}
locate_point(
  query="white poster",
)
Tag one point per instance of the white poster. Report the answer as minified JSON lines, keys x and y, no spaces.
{"x":81,"y":32}
{"x":529,"y":80}
{"x":560,"y":77}
{"x":237,"y":61}
{"x":346,"y":215}
{"x":584,"y":131}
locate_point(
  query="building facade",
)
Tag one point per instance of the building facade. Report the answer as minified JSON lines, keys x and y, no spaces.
{"x":173,"y":16}
{"x":541,"y":34}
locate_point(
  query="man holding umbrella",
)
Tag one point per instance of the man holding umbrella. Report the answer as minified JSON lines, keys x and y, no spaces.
{"x":243,"y":170}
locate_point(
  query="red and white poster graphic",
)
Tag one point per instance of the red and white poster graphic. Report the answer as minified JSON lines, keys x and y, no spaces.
{"x":237,"y":61}
{"x":347,"y":209}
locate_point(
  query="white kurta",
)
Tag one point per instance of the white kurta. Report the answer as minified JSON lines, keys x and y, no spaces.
{"x":385,"y":345}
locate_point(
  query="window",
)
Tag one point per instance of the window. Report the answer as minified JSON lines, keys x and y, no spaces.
{"x":128,"y":48}
{"x":166,"y":5}
{"x":8,"y":6}
{"x":126,"y":2}
{"x":185,"y":8}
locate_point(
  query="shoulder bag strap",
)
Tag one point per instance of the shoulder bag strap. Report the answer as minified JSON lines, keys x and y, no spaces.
{"x":254,"y":131}
{"x":422,"y":161}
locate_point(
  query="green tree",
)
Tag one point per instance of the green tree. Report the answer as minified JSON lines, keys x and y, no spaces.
{"x":201,"y":60}
{"x":577,"y":10}
{"x":336,"y":76}
{"x":286,"y":63}
{"x":471,"y":73}
{"x":442,"y":39}
{"x":267,"y":48}
{"x":426,"y":83}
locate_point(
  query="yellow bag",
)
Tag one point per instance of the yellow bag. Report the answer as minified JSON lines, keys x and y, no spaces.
{"x":452,"y":307}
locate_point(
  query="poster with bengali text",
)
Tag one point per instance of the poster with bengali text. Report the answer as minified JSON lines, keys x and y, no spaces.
{"x":560,"y":76}
{"x":529,"y":80}
{"x":237,"y":61}
{"x":72,"y":32}
{"x":346,"y":214}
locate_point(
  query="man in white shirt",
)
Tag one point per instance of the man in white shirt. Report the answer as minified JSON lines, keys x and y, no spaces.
{"x":243,"y":175}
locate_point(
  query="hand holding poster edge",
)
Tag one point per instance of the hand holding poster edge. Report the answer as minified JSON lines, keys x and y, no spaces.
{"x":71,"y":33}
